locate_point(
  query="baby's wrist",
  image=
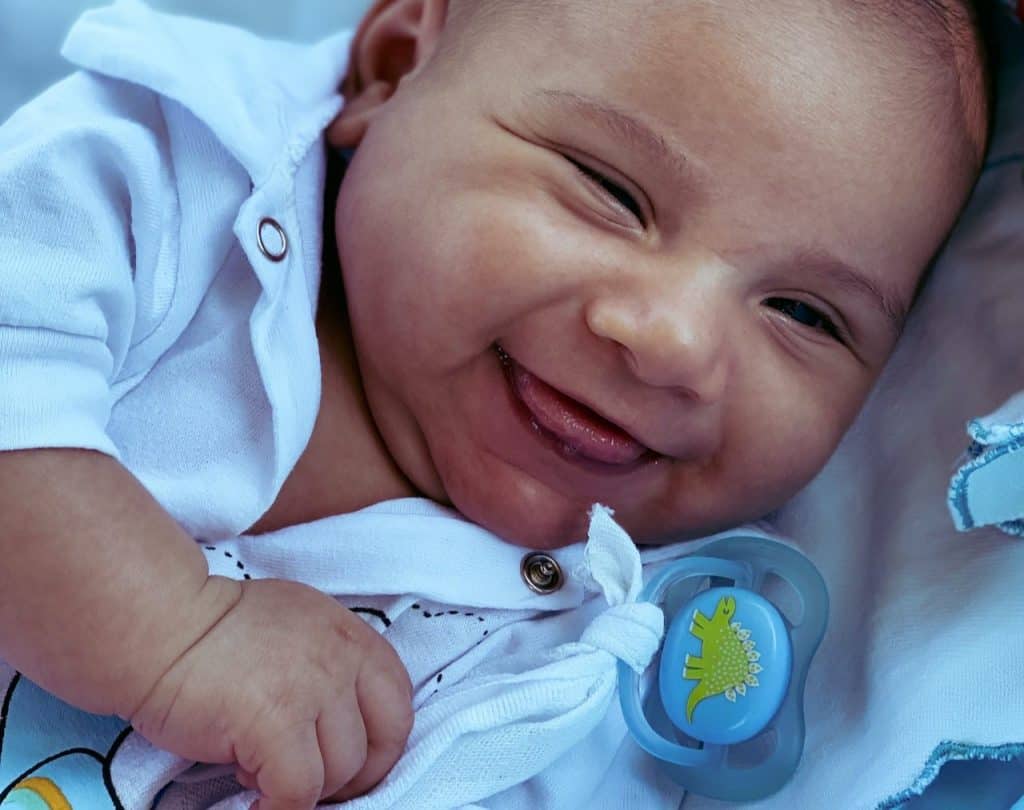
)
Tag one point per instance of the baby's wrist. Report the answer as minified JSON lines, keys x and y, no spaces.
{"x":180,"y":633}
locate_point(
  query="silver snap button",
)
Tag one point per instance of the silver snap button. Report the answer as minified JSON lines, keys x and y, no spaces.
{"x":272,"y":239}
{"x":541,"y":573}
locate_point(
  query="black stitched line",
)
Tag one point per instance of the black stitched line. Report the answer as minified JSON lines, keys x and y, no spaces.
{"x":373,"y":612}
{"x":238,"y":563}
{"x":431,"y":615}
{"x":108,"y":777}
{"x":6,"y":708}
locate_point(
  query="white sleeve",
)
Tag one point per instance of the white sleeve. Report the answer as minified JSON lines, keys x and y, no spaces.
{"x":82,"y":170}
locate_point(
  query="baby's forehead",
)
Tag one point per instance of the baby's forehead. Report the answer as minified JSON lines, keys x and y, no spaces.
{"x":924,"y":57}
{"x":937,"y":36}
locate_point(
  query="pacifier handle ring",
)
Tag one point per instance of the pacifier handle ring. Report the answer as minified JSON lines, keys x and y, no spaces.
{"x":629,"y":698}
{"x":773,"y":557}
{"x":649,"y":739}
{"x":691,"y":567}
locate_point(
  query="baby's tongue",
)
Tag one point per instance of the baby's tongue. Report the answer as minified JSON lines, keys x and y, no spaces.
{"x":583,"y":432}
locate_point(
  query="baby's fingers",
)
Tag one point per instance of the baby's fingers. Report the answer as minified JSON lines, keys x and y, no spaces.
{"x":386,"y":704}
{"x":292,"y":776}
{"x":342,"y":744}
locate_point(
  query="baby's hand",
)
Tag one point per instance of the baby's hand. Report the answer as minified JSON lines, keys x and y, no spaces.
{"x":296,"y":690}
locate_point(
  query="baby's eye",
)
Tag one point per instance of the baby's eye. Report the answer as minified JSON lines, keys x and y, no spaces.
{"x":623,"y":197}
{"x":804,"y":314}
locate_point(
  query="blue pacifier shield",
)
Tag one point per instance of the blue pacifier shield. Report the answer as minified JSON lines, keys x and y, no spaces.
{"x":725,"y":666}
{"x":732,"y":668}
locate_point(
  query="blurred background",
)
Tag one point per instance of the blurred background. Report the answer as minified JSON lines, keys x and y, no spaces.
{"x":31,"y":32}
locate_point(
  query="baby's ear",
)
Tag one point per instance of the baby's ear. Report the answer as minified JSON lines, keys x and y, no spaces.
{"x":394,"y":40}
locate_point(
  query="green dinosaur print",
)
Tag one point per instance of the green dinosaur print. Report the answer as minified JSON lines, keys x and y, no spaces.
{"x":728,"y":659}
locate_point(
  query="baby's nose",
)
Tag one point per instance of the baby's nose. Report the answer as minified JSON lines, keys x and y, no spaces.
{"x":669,"y":338}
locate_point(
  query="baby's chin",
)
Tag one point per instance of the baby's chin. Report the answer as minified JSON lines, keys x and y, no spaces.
{"x":548,"y":523}
{"x":535,"y":523}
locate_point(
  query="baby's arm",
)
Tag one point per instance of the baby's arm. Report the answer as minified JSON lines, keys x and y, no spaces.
{"x":101,"y":588}
{"x":107,"y":603}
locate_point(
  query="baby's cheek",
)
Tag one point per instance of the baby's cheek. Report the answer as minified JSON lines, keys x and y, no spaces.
{"x":794,"y":438}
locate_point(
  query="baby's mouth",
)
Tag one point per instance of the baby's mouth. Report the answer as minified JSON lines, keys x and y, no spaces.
{"x":577,"y":430}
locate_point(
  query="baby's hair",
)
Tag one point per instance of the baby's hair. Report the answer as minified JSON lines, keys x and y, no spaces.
{"x":959,"y":34}
{"x":958,"y":48}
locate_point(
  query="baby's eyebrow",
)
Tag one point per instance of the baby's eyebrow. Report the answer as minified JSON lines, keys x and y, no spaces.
{"x":637,"y":134}
{"x":832,"y":270}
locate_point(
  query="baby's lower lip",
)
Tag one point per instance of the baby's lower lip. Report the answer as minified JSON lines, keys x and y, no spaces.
{"x":581,"y":432}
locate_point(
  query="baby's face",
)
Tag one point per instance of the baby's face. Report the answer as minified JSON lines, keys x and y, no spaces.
{"x":655,"y":261}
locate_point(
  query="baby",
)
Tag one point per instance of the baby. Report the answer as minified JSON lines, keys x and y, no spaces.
{"x":648,"y":254}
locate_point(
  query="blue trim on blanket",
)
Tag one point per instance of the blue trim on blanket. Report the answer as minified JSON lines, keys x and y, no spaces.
{"x":986,"y":436}
{"x":957,"y":496}
{"x":949,"y":752}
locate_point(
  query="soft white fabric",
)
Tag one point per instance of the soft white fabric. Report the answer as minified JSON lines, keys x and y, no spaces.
{"x":31,"y":33}
{"x":133,"y":295}
{"x":515,"y":692}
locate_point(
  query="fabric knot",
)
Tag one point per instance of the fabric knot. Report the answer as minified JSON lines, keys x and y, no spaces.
{"x":611,"y":561}
{"x":632,"y":633}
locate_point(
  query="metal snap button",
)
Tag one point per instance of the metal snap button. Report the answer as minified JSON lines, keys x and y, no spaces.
{"x":272,"y":239}
{"x":541,"y":573}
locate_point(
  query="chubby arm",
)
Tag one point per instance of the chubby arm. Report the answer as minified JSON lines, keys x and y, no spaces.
{"x":100,"y":590}
{"x":105,"y":602}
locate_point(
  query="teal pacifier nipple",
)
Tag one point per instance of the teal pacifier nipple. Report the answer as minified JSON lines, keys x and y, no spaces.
{"x":725,"y":716}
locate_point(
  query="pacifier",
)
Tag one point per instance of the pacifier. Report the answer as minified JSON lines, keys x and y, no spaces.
{"x":725,"y":712}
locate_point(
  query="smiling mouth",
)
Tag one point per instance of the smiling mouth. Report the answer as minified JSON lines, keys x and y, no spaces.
{"x":577,"y":431}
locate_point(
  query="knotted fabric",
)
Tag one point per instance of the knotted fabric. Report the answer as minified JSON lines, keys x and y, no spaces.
{"x":515,"y":715}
